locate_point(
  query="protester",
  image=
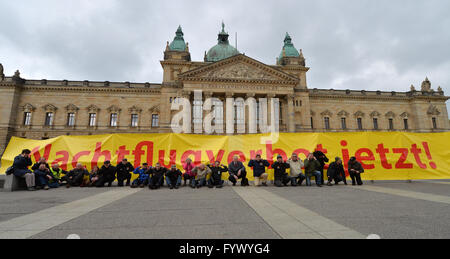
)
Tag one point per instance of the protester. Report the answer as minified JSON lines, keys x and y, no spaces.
{"x":42,"y":161}
{"x":143,"y":177}
{"x":237,"y":171}
{"x":296,"y":175}
{"x":259,"y":170}
{"x":107,"y":174}
{"x":76,"y":177}
{"x":93,"y":176}
{"x":57,"y":174}
{"x":124,"y":170}
{"x":216,"y":175}
{"x":156,"y":179}
{"x":281,"y":177}
{"x":201,"y":173}
{"x":355,"y":170}
{"x":312,"y":168}
{"x":336,"y":172}
{"x":322,"y":158}
{"x":174,"y":177}
{"x":43,"y":176}
{"x":20,"y":169}
{"x":188,"y":175}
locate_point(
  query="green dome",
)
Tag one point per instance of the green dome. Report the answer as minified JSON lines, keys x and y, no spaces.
{"x":178,"y":43}
{"x":289,"y":48}
{"x":223,"y":49}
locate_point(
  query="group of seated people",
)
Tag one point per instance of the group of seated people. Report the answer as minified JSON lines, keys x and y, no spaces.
{"x":43,"y":176}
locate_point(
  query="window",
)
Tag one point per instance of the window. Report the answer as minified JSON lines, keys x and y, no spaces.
{"x":155,"y":120}
{"x":434,"y":123}
{"x":391,"y":124}
{"x":92,"y":119}
{"x":344,"y":123}
{"x":27,"y":119}
{"x":312,"y":123}
{"x":239,"y":112}
{"x":49,"y":116}
{"x":405,"y":123}
{"x":71,"y":119}
{"x":218,"y":112}
{"x":134,"y":120}
{"x":360,"y":125}
{"x":113,"y":121}
{"x":327,"y":123}
{"x":198,"y":111}
{"x":375,"y":123}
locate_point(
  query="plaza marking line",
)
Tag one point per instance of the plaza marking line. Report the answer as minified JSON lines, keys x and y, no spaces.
{"x":292,"y":221}
{"x":31,"y":224}
{"x":407,"y":194}
{"x":433,"y":182}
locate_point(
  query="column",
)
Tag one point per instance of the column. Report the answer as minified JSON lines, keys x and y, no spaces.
{"x":290,"y":113}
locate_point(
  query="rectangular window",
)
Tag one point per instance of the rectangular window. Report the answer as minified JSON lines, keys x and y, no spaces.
{"x":49,"y":116}
{"x":344,"y":123}
{"x":312,"y":123}
{"x":134,"y":120}
{"x":92,"y":119}
{"x":71,"y":119}
{"x":198,"y":111}
{"x":27,"y":119}
{"x":434,"y":123}
{"x":391,"y":124}
{"x":155,"y":120}
{"x":327,"y":123}
{"x":405,"y":123}
{"x":113,"y":121}
{"x":360,"y":125}
{"x":218,"y":112}
{"x":375,"y":123}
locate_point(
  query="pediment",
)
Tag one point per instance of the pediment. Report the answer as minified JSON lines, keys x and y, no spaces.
{"x":238,"y":68}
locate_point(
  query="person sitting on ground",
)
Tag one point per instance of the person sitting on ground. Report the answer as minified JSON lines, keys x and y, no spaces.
{"x":201,"y":173}
{"x":237,"y":171}
{"x":296,"y":175}
{"x":216,"y":175}
{"x":156,"y":178}
{"x":76,"y":177}
{"x":107,"y":174}
{"x":355,"y":170}
{"x":323,"y":159}
{"x":336,"y":172}
{"x":281,"y":176}
{"x":57,"y":174}
{"x":42,"y":161}
{"x":142,"y":179}
{"x":43,"y":176}
{"x":188,"y":175}
{"x":20,"y":169}
{"x":93,"y":176}
{"x":124,"y":170}
{"x":312,"y":168}
{"x":259,"y":170}
{"x":174,"y":177}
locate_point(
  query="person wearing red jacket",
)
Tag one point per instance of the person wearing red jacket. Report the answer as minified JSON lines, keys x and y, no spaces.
{"x":188,"y":174}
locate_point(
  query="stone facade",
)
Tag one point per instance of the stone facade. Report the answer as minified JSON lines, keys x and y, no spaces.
{"x":40,"y":109}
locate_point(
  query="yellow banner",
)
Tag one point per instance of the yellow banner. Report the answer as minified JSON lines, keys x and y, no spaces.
{"x":384,"y":155}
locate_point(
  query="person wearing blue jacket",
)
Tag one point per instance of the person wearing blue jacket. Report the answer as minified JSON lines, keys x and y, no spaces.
{"x":20,"y":169}
{"x":259,"y":170}
{"x":142,"y":180}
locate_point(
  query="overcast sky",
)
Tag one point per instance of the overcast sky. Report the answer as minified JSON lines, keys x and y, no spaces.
{"x":349,"y":44}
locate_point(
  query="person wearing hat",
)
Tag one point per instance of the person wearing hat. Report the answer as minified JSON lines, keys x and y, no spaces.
{"x":259,"y":170}
{"x":142,"y":180}
{"x":312,"y":168}
{"x":106,"y":174}
{"x":336,"y":172}
{"x":355,"y":169}
{"x":281,"y":177}
{"x":296,"y":174}
{"x":124,"y":170}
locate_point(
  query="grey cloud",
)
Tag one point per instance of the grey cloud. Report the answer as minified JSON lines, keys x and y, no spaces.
{"x":354,"y":44}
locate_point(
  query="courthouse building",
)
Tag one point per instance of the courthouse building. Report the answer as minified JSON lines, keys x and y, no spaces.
{"x":41,"y":109}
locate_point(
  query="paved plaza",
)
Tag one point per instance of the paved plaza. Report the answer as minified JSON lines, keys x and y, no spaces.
{"x":420,"y":209}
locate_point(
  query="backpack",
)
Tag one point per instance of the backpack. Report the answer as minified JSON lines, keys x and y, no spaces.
{"x":10,"y":171}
